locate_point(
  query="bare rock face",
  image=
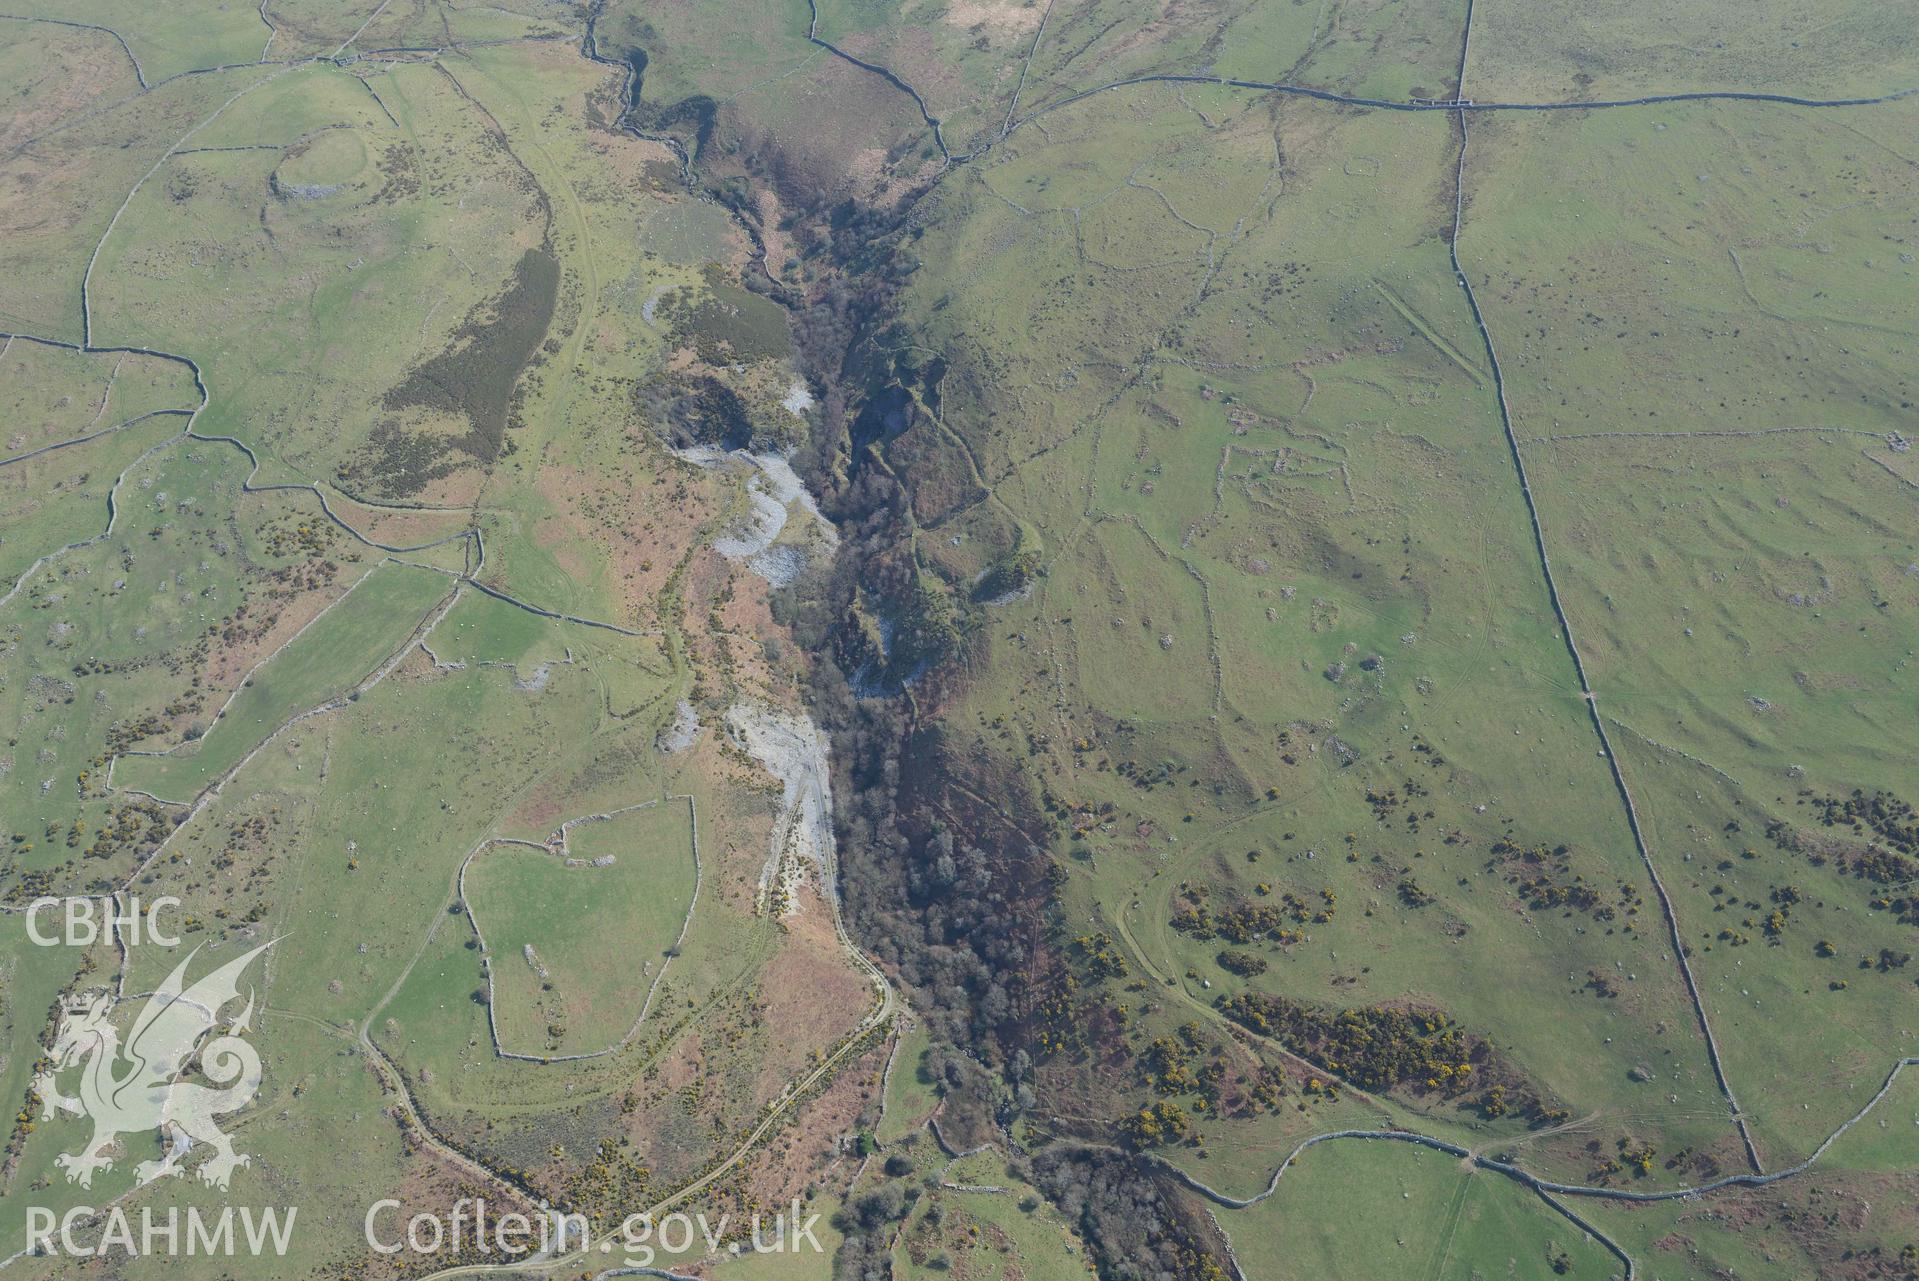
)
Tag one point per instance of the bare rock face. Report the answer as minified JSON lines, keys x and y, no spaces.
{"x":681,"y":731}
{"x":791,"y":748}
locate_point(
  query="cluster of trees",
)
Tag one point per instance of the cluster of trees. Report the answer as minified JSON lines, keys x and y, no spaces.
{"x":1888,"y":817}
{"x":1103,"y":960}
{"x":867,"y":1224}
{"x":1890,"y":857}
{"x":1010,"y":573}
{"x":953,"y":892}
{"x":1159,"y":1122}
{"x":943,"y":870}
{"x":1244,"y":964}
{"x":1136,"y":1230}
{"x":1186,"y":1063}
{"x":698,"y":409}
{"x":603,"y":1187}
{"x":1413,"y":894}
{"x":1636,"y":1156}
{"x":1543,"y":877}
{"x":1245,"y":920}
{"x":137,"y":828}
{"x":1883,"y":867}
{"x":1383,"y":1047}
{"x":948,"y":892}
{"x":926,"y":627}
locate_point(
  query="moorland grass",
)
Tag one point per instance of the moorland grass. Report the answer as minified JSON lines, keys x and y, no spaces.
{"x":1561,"y":51}
{"x":1307,"y":526}
{"x":325,"y":662}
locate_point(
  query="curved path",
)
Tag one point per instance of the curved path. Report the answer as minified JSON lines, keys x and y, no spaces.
{"x":1548,"y":1190}
{"x":1533,"y":1181}
{"x":630,"y":95}
{"x":776,"y":1113}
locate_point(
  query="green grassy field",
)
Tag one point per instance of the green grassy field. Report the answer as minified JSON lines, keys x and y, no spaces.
{"x":912,"y":1092}
{"x":998,"y":1235}
{"x":179,"y":38}
{"x":328,"y":660}
{"x":129,"y":615}
{"x":1405,"y":1214}
{"x":969,"y":61}
{"x":1859,"y":1206}
{"x":54,"y":395}
{"x":337,"y":240}
{"x":752,"y":1265}
{"x":546,"y":918}
{"x":1729,"y":536}
{"x":1323,"y":563}
{"x":59,"y":498}
{"x":65,"y":194}
{"x":34,"y":979}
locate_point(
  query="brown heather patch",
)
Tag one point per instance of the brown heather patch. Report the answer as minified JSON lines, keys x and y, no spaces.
{"x":226,"y":662}
{"x":806,"y":1151}
{"x":398,"y":528}
{"x":815,"y":994}
{"x":430,"y":1184}
{"x":76,"y":69}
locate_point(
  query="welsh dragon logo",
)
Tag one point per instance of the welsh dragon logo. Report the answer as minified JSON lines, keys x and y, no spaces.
{"x":132,"y":1088}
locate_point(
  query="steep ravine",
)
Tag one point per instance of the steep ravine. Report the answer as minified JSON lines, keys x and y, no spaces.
{"x":939,"y":860}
